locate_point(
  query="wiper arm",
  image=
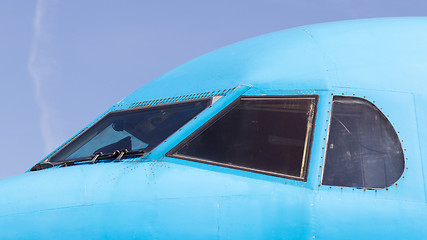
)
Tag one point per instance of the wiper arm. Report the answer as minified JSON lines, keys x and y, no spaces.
{"x":119,"y":154}
{"x":45,"y":165}
{"x":95,"y":158}
{"x":72,"y":162}
{"x":100,"y":156}
{"x":125,"y":152}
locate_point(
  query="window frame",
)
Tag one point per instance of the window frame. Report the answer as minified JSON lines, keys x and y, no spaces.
{"x":307,"y":145}
{"x":61,"y":148}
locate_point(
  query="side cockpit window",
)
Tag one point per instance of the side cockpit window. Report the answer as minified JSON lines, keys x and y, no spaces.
{"x":266,"y":135}
{"x":363,"y":149}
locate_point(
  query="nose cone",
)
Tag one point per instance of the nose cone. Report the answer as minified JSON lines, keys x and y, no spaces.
{"x":150,"y":200}
{"x":76,"y":186}
{"x":68,"y":202}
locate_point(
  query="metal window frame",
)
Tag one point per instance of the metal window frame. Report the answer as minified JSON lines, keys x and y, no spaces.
{"x":307,"y":145}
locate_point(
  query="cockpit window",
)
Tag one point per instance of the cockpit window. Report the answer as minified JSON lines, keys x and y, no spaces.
{"x":260,"y":134}
{"x":363,"y":149}
{"x":135,"y":131}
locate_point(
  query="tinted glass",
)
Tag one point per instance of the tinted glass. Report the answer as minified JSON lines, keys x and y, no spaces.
{"x":271,"y":135}
{"x":132,"y":130}
{"x":363,"y":149}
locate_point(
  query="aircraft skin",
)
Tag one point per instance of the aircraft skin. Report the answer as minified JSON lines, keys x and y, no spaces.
{"x":158,"y":197}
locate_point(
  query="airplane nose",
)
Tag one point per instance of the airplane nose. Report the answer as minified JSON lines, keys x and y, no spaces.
{"x":147,"y":200}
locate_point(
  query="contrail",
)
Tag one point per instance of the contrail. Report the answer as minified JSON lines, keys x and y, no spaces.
{"x":39,"y":68}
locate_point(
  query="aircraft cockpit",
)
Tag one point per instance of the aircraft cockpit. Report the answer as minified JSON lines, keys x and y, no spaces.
{"x":269,"y":135}
{"x":315,"y":132}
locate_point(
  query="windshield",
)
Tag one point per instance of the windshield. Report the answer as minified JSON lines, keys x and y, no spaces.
{"x":138,"y":130}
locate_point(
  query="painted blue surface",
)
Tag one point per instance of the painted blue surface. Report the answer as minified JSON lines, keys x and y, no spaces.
{"x":157,"y":197}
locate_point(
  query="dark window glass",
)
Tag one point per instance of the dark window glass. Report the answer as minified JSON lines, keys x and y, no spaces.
{"x":363,"y":149}
{"x":133,"y":130}
{"x":269,"y":135}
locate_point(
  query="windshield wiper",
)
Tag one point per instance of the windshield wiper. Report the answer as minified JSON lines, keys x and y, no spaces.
{"x":45,"y":165}
{"x":95,"y":158}
{"x":119,"y":154}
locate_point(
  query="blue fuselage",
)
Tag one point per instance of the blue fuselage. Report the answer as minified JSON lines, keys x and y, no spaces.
{"x":156,"y":196}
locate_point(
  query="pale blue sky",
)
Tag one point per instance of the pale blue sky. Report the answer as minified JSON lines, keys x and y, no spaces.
{"x":63,"y":63}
